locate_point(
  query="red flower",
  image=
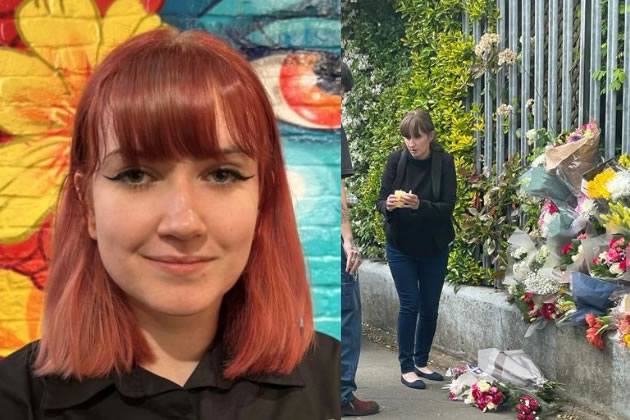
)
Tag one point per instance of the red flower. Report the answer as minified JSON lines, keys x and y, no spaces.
{"x":451,"y":396}
{"x":623,"y":265}
{"x":590,"y":319}
{"x":594,"y":260}
{"x":594,"y":338}
{"x":567,"y":248}
{"x":497,"y":398}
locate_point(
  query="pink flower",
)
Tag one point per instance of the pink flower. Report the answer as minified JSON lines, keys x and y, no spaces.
{"x":567,"y":248}
{"x":451,"y":396}
{"x":623,"y":265}
{"x":612,"y":256}
{"x":582,"y":236}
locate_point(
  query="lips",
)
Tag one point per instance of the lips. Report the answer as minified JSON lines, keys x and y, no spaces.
{"x":180,"y":264}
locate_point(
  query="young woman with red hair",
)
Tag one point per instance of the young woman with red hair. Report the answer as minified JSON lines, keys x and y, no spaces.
{"x":177,"y":285}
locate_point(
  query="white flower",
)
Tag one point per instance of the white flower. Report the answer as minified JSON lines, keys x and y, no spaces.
{"x":504,"y":110}
{"x":619,"y":186}
{"x":486,"y":43}
{"x":520,"y":270}
{"x":602,"y":257}
{"x":575,"y":257}
{"x":615,"y":269}
{"x":530,"y":102}
{"x":519,"y":253}
{"x":540,"y":160}
{"x":490,"y":38}
{"x":507,"y":56}
{"x":491,"y":406}
{"x":531,"y":136}
{"x":587,"y":209}
{"x":540,"y":284}
{"x":542,"y":254}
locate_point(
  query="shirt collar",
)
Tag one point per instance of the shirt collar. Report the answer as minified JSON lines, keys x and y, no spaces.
{"x":140,"y":383}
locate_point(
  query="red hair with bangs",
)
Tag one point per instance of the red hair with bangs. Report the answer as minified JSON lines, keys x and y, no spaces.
{"x":163,"y":94}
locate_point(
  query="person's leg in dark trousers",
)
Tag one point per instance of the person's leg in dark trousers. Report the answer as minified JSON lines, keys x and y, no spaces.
{"x":405,"y":273}
{"x":431,"y":272}
{"x":350,"y":331}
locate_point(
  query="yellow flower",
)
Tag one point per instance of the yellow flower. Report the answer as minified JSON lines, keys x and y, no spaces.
{"x":618,"y":219}
{"x":624,"y":161}
{"x":627,"y":340}
{"x":39,"y":93}
{"x":483,"y":386}
{"x":597,"y":187}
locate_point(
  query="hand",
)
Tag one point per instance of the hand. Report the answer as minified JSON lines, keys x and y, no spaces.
{"x":353,"y":257}
{"x":390,"y":205}
{"x":411,"y":201}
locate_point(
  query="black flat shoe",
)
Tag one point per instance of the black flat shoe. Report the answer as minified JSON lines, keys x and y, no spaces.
{"x":419,"y":384}
{"x":433,"y":376}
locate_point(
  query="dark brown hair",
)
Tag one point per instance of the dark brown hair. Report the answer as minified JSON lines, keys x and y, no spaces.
{"x":416,"y":123}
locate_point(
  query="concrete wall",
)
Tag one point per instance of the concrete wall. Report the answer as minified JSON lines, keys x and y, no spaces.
{"x":475,"y":318}
{"x":284,"y":39}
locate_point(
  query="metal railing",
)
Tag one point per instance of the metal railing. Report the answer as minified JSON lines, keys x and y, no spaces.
{"x":566,"y":55}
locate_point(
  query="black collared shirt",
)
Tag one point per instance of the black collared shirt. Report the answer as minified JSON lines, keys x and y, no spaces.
{"x":311,"y":391}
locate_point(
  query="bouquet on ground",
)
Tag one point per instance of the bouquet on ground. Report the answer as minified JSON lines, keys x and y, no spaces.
{"x":463,"y":379}
{"x":597,"y":326}
{"x":610,"y":262}
{"x":528,"y":409}
{"x":487,"y":396}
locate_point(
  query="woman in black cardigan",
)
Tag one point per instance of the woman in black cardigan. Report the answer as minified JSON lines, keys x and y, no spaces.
{"x":417,"y":198}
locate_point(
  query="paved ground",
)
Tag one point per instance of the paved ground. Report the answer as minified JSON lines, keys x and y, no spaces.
{"x":378,"y":379}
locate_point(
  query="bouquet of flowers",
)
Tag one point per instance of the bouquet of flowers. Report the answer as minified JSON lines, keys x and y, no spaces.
{"x":611,"y":261}
{"x":617,"y":219}
{"x":597,"y":325}
{"x":527,"y":409}
{"x":487,"y":396}
{"x":565,"y":307}
{"x":537,"y":182}
{"x":577,"y":156}
{"x":463,"y":379}
{"x":572,"y":253}
{"x":521,"y":253}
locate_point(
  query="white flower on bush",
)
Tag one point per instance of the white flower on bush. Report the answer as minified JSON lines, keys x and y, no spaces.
{"x":487,"y":41}
{"x":616,"y":269}
{"x":540,"y":284}
{"x":619,"y":186}
{"x":504,"y":110}
{"x":531,"y":136}
{"x":507,"y":56}
{"x":540,"y":160}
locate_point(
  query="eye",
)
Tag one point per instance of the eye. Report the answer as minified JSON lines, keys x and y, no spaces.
{"x":304,"y":87}
{"x":224,"y":176}
{"x":134,"y":177}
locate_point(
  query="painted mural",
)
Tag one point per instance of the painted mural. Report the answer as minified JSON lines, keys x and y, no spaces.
{"x":48,"y":49}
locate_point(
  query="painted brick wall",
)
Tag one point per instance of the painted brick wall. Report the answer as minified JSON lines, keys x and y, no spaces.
{"x":48,"y":49}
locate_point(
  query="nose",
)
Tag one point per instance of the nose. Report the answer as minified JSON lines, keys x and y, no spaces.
{"x":181,"y":218}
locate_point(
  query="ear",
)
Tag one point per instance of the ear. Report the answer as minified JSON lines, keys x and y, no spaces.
{"x":78,"y":180}
{"x":432,"y":135}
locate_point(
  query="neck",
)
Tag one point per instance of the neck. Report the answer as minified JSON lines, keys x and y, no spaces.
{"x":178,"y":342}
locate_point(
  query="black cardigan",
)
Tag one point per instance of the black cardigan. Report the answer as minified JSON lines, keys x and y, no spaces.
{"x":437,"y":213}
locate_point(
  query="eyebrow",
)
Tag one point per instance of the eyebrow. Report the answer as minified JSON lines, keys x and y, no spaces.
{"x":225,"y":151}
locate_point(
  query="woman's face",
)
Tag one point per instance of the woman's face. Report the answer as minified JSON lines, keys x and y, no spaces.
{"x":419,"y":146}
{"x":175,"y":236}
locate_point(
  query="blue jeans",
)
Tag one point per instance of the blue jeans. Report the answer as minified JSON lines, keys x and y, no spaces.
{"x":419,"y":282}
{"x":350,"y":330}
